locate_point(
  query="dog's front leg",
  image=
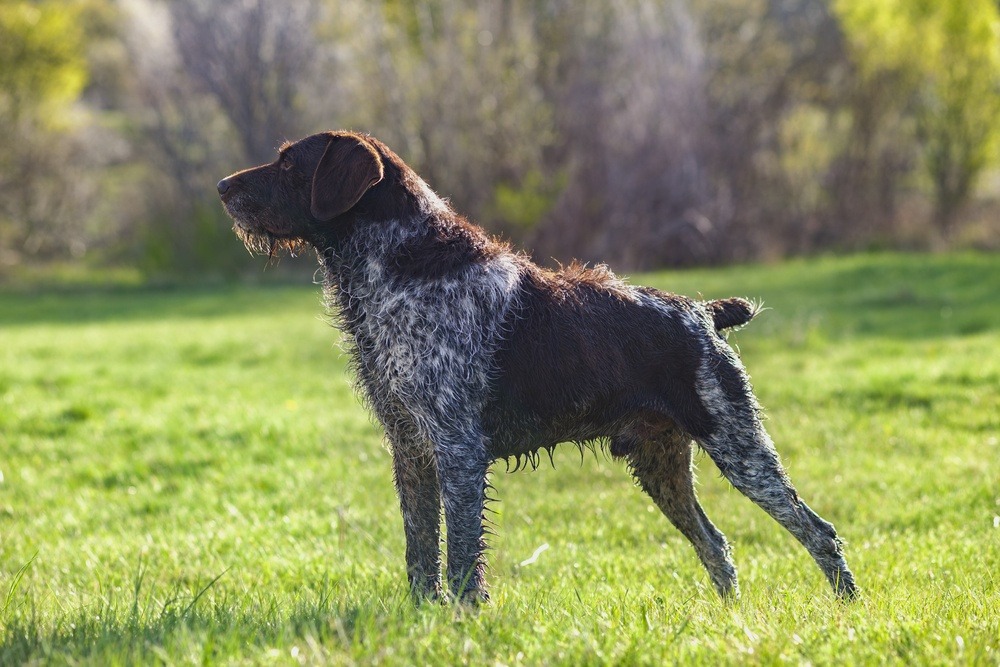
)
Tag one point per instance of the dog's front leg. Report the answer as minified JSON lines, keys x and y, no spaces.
{"x":462,"y":466}
{"x":415,"y":474}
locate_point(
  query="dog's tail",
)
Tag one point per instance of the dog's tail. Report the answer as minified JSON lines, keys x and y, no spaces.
{"x":733,"y":312}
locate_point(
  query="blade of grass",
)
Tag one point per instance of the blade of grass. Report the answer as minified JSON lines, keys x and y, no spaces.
{"x":14,"y":584}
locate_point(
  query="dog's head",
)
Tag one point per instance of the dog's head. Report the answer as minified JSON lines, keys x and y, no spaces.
{"x":305,"y":193}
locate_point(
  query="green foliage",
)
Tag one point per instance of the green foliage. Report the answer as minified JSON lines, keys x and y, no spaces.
{"x":50,"y":159}
{"x":525,"y":206}
{"x":42,"y":59}
{"x":200,"y":485}
{"x":203,"y":244}
{"x":948,"y":55}
{"x":810,"y":140}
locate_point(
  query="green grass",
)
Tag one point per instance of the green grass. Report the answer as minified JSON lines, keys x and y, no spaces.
{"x":188,"y":478}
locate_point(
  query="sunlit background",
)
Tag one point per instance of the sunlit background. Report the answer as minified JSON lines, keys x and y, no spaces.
{"x":644,"y":133}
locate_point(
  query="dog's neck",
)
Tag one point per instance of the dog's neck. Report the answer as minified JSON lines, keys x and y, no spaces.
{"x":371,"y":235}
{"x":385,"y":218}
{"x":353,"y":259}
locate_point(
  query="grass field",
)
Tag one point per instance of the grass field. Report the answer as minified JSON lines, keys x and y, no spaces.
{"x":188,"y":478}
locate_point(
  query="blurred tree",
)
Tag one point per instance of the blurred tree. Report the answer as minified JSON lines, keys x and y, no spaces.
{"x":774,"y":87}
{"x":218,"y":86}
{"x":640,"y":132}
{"x":42,"y":72}
{"x":628,"y":83}
{"x":452,"y":86}
{"x":945,"y":57}
{"x":256,"y":59}
{"x":42,"y":53}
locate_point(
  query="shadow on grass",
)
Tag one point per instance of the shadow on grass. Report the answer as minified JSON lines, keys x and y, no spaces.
{"x":183,"y":628}
{"x":891,"y":295}
{"x":153,"y":303}
{"x":884,"y":295}
{"x":902,"y":296}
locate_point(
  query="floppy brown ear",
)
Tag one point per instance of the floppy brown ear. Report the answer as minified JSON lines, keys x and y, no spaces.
{"x":349,"y":167}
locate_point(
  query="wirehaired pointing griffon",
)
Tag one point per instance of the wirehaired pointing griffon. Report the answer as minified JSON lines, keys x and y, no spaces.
{"x":468,"y":352}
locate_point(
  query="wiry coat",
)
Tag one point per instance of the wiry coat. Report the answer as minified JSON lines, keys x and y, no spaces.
{"x":468,"y":352}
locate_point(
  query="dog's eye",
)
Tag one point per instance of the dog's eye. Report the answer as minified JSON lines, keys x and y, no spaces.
{"x":286,"y":163}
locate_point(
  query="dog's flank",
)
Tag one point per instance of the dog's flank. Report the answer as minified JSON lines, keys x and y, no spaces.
{"x":467,"y":352}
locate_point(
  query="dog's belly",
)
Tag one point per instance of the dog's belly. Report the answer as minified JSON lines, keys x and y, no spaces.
{"x":512,"y":433}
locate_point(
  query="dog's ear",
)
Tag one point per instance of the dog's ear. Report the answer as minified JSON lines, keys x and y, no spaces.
{"x":349,"y":166}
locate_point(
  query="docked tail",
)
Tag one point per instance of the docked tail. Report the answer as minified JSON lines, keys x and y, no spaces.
{"x":733,"y":312}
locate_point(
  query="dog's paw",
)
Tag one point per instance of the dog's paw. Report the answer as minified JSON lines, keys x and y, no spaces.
{"x":472,"y":598}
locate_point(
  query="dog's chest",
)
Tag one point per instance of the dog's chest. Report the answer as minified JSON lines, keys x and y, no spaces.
{"x":429,"y":344}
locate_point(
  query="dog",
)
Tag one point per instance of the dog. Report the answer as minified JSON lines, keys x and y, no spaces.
{"x":468,"y":352}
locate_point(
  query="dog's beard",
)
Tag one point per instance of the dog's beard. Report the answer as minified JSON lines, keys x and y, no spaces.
{"x":266,"y":243}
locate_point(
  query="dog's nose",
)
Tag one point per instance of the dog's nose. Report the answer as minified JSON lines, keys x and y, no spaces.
{"x":222,"y":186}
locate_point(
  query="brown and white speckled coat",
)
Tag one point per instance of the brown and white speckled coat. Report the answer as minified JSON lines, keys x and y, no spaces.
{"x":468,"y":352}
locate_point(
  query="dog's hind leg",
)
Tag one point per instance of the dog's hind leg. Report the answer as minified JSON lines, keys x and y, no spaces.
{"x":745,"y":455}
{"x":663,"y":470}
{"x":416,"y":480}
{"x":749,"y":461}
